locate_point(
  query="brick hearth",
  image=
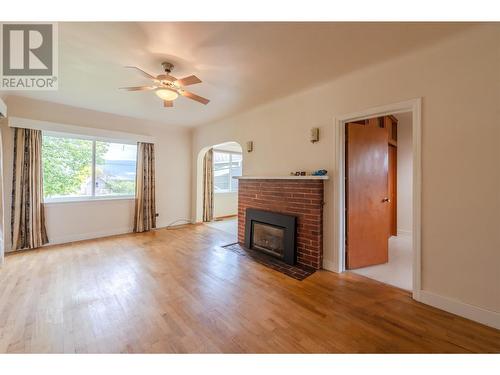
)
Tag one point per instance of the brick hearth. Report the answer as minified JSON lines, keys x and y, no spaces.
{"x":302,"y":198}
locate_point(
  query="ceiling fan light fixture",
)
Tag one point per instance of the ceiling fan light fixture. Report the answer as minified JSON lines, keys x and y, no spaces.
{"x":166,"y":94}
{"x":167,"y":87}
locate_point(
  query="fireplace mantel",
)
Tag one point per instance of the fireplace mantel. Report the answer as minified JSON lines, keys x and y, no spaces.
{"x":281,"y":177}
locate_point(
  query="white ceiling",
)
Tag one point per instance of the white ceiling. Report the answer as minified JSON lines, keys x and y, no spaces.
{"x":241,"y":64}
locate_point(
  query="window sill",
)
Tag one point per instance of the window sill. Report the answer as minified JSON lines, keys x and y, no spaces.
{"x":82,"y":200}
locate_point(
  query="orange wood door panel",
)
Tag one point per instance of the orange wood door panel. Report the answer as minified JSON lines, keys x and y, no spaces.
{"x":367,"y":215}
{"x":393,"y":188}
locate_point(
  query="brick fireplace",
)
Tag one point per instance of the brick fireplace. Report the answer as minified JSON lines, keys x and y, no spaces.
{"x":299,"y":196}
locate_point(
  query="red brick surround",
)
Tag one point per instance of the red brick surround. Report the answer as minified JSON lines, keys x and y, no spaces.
{"x":302,"y":198}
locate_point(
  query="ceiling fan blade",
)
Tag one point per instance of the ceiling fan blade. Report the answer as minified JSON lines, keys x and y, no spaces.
{"x":190,"y":80}
{"x":166,"y":77}
{"x":168,"y":103}
{"x":138,"y":88}
{"x":145,"y":74}
{"x":198,"y":98}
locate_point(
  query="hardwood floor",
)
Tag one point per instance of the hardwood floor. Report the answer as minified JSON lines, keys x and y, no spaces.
{"x":177,"y":291}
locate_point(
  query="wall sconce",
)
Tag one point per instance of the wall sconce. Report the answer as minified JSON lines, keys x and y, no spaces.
{"x":249,"y":146}
{"x":314,"y":137}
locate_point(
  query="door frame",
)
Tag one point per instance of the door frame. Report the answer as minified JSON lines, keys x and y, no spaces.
{"x":415,"y":107}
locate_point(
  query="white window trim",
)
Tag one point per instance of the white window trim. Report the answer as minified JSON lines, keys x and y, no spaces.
{"x":88,"y":137}
{"x":61,"y":200}
{"x":231,"y":179}
{"x":93,"y":197}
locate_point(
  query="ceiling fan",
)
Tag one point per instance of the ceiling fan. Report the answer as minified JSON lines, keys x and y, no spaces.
{"x":167,"y":87}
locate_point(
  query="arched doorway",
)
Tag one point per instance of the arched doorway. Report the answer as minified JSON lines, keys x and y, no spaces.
{"x":227,"y":163}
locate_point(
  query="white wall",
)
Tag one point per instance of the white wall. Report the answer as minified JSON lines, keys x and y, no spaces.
{"x":405,"y":173}
{"x":81,"y":220}
{"x":225,"y":204}
{"x":458,"y":79}
{"x":73,"y":221}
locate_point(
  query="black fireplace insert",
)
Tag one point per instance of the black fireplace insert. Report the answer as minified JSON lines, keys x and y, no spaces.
{"x":272,"y":233}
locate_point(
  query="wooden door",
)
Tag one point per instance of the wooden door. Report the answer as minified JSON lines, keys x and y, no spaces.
{"x":367,"y":211}
{"x":393,"y":183}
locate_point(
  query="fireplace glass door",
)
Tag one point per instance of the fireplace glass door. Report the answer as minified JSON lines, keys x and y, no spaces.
{"x":268,"y":238}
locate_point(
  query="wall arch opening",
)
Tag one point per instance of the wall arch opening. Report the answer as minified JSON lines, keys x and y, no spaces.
{"x":227,"y":163}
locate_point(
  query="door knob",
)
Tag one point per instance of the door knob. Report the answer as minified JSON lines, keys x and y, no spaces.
{"x":386,"y":200}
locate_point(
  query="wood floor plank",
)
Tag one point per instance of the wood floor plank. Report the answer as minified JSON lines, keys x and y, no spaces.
{"x":179,"y":291}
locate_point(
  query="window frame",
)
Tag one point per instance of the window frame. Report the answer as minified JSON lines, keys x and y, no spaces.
{"x":93,"y":197}
{"x":231,"y":180}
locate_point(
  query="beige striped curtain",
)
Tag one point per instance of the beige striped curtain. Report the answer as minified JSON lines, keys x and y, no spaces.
{"x":208,"y":186}
{"x":27,"y":219}
{"x":145,"y":200}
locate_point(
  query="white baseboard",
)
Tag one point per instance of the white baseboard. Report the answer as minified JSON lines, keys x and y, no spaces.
{"x":87,"y":236}
{"x":478,"y":314}
{"x":57,"y":240}
{"x":330,"y":266}
{"x":93,"y":235}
